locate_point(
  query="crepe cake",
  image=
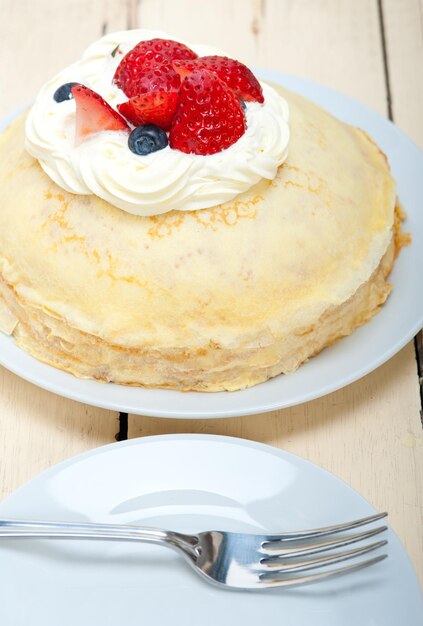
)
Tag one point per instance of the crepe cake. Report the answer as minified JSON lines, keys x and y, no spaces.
{"x":189,"y":280}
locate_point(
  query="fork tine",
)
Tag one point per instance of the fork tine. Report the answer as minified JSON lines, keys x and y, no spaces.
{"x":323,"y":532}
{"x":272,"y":581}
{"x":284,"y":567}
{"x":321,"y":546}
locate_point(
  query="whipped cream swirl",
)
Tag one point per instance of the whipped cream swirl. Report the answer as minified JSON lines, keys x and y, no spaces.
{"x":161,"y":181}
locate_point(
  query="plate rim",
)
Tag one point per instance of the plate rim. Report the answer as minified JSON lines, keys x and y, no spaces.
{"x":184,"y":436}
{"x":137,"y":405}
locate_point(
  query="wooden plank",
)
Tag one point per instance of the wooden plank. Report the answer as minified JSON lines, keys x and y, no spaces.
{"x":368,"y":433}
{"x":333,"y":42}
{"x":37,"y":39}
{"x":404,"y":48}
{"x":37,"y":428}
{"x":403,"y":24}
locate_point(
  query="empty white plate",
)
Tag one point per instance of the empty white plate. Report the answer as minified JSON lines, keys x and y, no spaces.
{"x":348,"y":360}
{"x":188,"y":483}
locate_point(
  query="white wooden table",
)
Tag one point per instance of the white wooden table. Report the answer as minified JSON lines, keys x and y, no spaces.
{"x":370,"y":433}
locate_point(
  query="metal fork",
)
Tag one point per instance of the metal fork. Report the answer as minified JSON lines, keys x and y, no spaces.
{"x":233,"y":560}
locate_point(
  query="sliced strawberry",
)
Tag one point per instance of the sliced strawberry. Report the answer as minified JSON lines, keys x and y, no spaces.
{"x":157,"y":107}
{"x":148,"y":67}
{"x":93,"y":114}
{"x":209,"y":116}
{"x":235,"y":74}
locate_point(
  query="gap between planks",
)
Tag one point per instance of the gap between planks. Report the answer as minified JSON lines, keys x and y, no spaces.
{"x":122,"y":434}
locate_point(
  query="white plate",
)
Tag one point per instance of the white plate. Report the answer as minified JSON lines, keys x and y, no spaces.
{"x":188,"y":483}
{"x":337,"y":366}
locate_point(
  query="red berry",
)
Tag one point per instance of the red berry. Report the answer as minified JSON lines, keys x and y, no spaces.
{"x":148,"y":67}
{"x":235,"y":74}
{"x":157,"y":107}
{"x":93,"y":114}
{"x":153,"y":77}
{"x":209,"y":116}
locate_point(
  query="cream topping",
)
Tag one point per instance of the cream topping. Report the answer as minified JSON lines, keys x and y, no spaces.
{"x":164,"y":180}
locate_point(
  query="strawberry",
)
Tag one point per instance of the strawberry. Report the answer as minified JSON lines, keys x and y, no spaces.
{"x":209,"y":116}
{"x":153,"y":77}
{"x":93,"y":114}
{"x":156,"y":107}
{"x":235,"y":74}
{"x":148,"y":67}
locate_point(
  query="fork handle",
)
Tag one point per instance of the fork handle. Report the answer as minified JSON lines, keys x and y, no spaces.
{"x":23,"y":529}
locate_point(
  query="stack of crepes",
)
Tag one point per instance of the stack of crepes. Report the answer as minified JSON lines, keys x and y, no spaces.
{"x":218,"y":298}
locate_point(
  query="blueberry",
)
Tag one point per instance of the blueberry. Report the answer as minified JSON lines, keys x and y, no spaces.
{"x":147,"y":138}
{"x":64,"y":92}
{"x":244,"y":106}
